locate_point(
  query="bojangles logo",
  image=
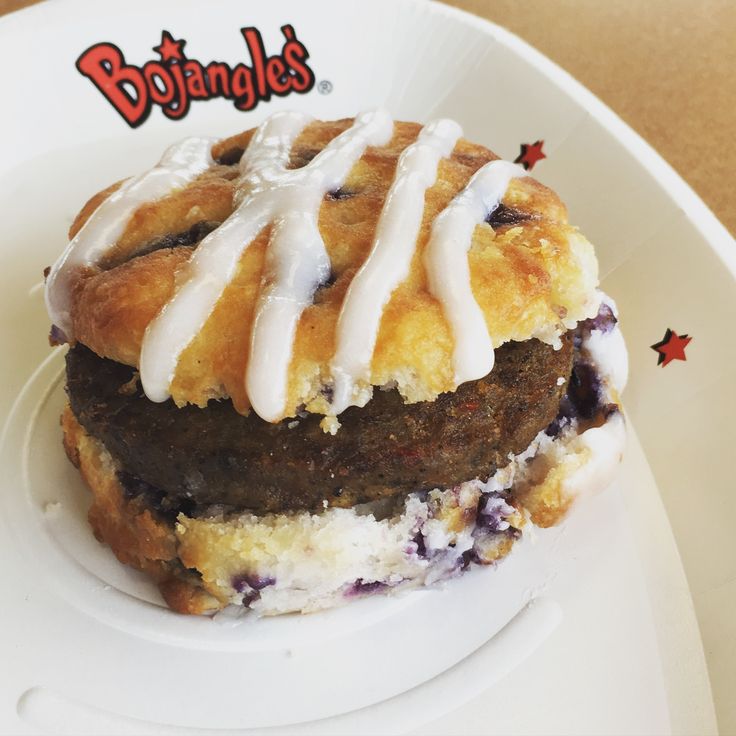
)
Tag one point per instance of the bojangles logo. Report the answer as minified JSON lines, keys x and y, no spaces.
{"x":174,"y":81}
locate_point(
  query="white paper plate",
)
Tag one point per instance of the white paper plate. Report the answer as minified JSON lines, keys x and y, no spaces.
{"x":601,"y":604}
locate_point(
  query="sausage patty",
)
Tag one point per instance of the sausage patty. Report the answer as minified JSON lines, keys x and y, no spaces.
{"x":191,"y":458}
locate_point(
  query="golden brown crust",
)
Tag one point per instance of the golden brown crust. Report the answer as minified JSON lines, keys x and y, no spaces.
{"x":527,"y":278}
{"x":548,"y":502}
{"x":184,"y":596}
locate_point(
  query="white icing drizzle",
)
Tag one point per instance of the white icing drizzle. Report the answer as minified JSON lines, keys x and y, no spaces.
{"x":296,"y":261}
{"x":448,"y":271}
{"x":181,"y":163}
{"x":389,"y":260}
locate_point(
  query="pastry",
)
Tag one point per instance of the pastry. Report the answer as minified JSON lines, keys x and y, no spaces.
{"x":320,"y":360}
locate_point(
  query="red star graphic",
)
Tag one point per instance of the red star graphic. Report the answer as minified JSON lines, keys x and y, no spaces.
{"x":169,"y":49}
{"x":530,"y":154}
{"x":672,"y":347}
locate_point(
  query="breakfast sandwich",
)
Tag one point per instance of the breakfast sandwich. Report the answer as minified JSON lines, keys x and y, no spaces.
{"x":321,"y":360}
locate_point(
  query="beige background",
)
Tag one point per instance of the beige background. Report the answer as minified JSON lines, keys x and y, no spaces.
{"x":667,"y":67}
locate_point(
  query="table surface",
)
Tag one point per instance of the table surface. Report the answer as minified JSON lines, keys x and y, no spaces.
{"x":667,"y":67}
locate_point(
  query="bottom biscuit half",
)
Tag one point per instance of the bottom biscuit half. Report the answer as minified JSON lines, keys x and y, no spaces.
{"x":280,"y":563}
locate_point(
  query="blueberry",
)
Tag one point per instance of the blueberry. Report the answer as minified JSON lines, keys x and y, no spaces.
{"x":421,"y":546}
{"x":557,"y":425}
{"x":250,"y":581}
{"x":361,"y":587}
{"x":604,"y":321}
{"x":338,"y":194}
{"x":57,"y":336}
{"x":503,"y":216}
{"x":583,"y":399}
{"x":467,"y":557}
{"x":251,"y":597}
{"x":231,"y":157}
{"x":493,"y":512}
{"x":584,"y":390}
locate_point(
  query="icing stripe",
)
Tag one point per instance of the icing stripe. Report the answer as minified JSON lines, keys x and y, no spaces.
{"x":448,"y":271}
{"x":296,"y":260}
{"x":214,"y":262}
{"x":180,"y":164}
{"x":388,"y":262}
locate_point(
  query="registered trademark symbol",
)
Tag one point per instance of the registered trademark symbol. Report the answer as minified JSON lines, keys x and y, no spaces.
{"x":324,"y":87}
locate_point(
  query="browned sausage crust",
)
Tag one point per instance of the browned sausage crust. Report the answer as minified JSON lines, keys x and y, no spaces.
{"x":197,"y":457}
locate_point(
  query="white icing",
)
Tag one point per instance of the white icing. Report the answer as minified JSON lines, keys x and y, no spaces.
{"x":296,"y":261}
{"x":609,"y":349}
{"x":180,"y":164}
{"x":586,"y":461}
{"x":389,"y":260}
{"x":448,"y":271}
{"x":603,"y":448}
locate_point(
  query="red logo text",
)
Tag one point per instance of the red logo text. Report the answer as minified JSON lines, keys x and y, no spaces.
{"x":174,"y":81}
